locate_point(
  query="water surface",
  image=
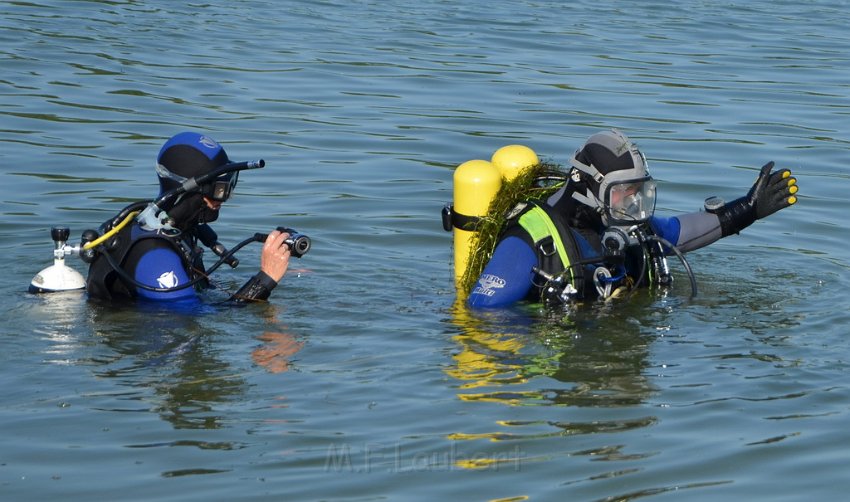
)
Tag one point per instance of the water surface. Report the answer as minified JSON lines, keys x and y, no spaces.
{"x":362,"y":379}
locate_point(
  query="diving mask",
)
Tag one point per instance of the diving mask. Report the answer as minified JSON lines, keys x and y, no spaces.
{"x":631,"y":201}
{"x":218,"y":190}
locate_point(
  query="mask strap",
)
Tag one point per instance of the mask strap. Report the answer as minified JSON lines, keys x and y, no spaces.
{"x":165,"y":173}
{"x":588,"y":200}
{"x":589,"y":170}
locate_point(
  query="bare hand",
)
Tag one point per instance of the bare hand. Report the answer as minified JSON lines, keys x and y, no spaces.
{"x":275,"y":257}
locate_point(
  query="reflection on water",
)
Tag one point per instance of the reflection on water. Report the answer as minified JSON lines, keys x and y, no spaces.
{"x":169,"y":362}
{"x":58,"y":321}
{"x":276,"y":352}
{"x":361,"y":124}
{"x":173,"y":355}
{"x":526,"y":357}
{"x":279,"y":347}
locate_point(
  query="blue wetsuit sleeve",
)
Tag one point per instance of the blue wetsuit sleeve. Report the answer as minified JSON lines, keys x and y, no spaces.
{"x":666,"y":228}
{"x":161,"y":267}
{"x":508,"y":276}
{"x":689,"y":231}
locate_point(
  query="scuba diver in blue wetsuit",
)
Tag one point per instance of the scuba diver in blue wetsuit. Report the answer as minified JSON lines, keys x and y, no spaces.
{"x":598,"y":234}
{"x":157,"y":255}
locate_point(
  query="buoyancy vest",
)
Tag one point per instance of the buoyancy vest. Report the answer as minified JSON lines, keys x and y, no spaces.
{"x":578,"y":253}
{"x":561,"y":248}
{"x":104,"y":282}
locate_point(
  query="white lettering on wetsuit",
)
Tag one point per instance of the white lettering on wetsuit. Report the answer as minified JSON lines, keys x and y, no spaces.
{"x":488,"y":284}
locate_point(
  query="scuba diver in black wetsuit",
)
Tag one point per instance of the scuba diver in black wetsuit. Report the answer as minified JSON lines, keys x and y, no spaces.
{"x":156,"y":256}
{"x":598,"y":233}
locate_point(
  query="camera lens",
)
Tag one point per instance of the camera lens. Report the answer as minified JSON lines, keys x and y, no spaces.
{"x":298,"y":244}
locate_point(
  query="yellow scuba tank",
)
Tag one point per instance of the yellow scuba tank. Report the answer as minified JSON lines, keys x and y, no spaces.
{"x":476,"y":183}
{"x":512,"y":160}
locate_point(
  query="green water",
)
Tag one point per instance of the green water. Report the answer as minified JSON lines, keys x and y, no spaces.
{"x":361,"y":379}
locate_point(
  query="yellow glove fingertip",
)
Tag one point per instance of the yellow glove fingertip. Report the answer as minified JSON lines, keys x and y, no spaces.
{"x":792,"y":181}
{"x":792,"y":200}
{"x":786,"y":173}
{"x":793,"y":189}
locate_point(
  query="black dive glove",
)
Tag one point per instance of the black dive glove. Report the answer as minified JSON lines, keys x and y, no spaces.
{"x":771,"y":192}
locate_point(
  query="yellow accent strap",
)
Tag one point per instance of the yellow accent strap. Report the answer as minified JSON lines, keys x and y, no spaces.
{"x":539,"y":226}
{"x":107,"y":235}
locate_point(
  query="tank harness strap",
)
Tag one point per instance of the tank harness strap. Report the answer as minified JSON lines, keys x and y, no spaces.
{"x":452,"y":219}
{"x":546,"y":237}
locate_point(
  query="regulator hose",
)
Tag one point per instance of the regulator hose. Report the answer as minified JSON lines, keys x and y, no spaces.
{"x":132,"y":280}
{"x":103,"y":238}
{"x":666,"y":243}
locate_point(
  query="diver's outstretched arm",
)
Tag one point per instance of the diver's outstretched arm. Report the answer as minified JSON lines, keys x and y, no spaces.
{"x":771,"y":192}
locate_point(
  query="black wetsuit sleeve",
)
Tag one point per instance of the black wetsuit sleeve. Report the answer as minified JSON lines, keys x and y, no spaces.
{"x":258,"y":288}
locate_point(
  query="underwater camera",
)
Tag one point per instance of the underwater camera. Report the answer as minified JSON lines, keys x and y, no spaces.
{"x":299,"y":244}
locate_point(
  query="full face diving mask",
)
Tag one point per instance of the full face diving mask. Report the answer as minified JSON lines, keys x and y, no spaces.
{"x":628,"y":201}
{"x":625,"y":197}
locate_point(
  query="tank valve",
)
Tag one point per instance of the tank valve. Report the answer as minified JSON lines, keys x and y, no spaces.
{"x":59,"y":276}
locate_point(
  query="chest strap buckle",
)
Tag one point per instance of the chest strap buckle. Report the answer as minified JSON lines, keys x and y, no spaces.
{"x":547,"y":246}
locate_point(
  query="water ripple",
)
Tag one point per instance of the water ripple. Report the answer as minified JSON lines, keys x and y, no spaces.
{"x":362,"y":110}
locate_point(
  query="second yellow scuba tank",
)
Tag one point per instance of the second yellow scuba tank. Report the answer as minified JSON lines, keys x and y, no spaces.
{"x":478,"y":207}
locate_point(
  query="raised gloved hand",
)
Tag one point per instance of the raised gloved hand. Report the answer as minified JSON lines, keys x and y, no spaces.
{"x":771,"y":192}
